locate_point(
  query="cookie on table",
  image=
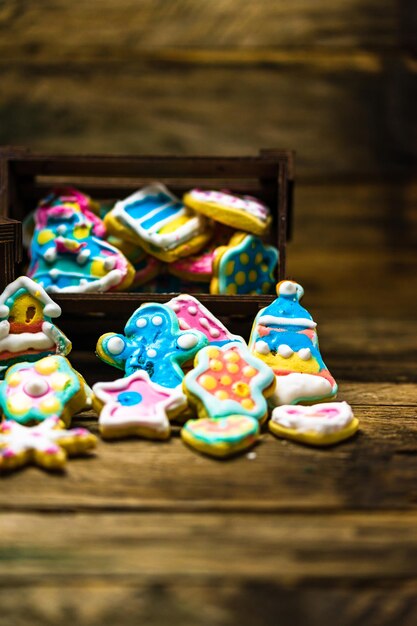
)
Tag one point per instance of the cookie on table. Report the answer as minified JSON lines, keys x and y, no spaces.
{"x":27,"y":332}
{"x":317,"y":425}
{"x":33,"y":392}
{"x":284,"y":336}
{"x":245,"y":266}
{"x":192,"y":314}
{"x":136,"y":406}
{"x":240,"y":212}
{"x":66,"y":256}
{"x":152,"y":342}
{"x":46,"y":445}
{"x":223,"y":437}
{"x":229,"y":380}
{"x":158,"y":221}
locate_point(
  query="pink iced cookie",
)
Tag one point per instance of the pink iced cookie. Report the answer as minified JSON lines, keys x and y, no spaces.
{"x":192,"y":314}
{"x":134,"y":405}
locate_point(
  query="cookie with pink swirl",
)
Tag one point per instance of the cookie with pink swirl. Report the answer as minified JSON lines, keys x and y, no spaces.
{"x":317,"y":425}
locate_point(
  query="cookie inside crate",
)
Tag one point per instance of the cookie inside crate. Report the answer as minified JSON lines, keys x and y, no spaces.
{"x":27,"y":177}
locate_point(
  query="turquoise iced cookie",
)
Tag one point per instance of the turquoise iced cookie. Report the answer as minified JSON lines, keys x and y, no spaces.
{"x":152,"y":342}
{"x":245,"y":266}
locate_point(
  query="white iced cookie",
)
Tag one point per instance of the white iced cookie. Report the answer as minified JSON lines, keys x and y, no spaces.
{"x":318,"y":425}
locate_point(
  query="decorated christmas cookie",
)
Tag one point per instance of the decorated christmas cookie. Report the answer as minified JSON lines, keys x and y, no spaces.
{"x":242,"y":212}
{"x":69,"y":197}
{"x":136,"y":406}
{"x":152,"y":342}
{"x":245,"y":266}
{"x":228,"y":380}
{"x":284,"y":336}
{"x":32,"y":392}
{"x":222,"y":437}
{"x":192,"y":314}
{"x":67,"y":256}
{"x":317,"y":425}
{"x":155,"y":219}
{"x":26,"y":329}
{"x":46,"y":445}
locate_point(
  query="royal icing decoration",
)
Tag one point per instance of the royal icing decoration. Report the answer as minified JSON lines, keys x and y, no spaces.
{"x":46,"y":445}
{"x":192,"y":314}
{"x":26,"y":328}
{"x":284,"y":336}
{"x":72,"y":198}
{"x":228,"y":380}
{"x":152,"y":342}
{"x":243,"y":212}
{"x":134,"y":405}
{"x":67,"y":256}
{"x":245,"y":266}
{"x":158,"y":221}
{"x":221,"y":437}
{"x":319,"y":424}
{"x":32,"y":392}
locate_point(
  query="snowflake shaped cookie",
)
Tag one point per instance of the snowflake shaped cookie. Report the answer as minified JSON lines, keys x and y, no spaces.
{"x":46,"y":445}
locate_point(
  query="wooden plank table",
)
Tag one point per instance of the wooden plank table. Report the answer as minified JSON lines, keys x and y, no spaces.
{"x":151,"y":532}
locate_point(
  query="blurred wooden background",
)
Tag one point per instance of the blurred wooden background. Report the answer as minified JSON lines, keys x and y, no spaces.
{"x":336,"y":81}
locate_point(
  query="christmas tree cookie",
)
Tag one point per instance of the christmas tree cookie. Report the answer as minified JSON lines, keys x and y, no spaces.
{"x":284,"y":336}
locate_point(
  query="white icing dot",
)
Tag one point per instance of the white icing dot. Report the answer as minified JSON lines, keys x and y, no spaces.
{"x":192,"y":310}
{"x":151,"y":353}
{"x":285,"y":351}
{"x":175,"y":306}
{"x":141,"y":322}
{"x":50,"y":255}
{"x":204,"y":322}
{"x":62,"y":229}
{"x":187,"y":341}
{"x":82,"y":256}
{"x":83,"y":281}
{"x":115,"y":345}
{"x":157,"y":320}
{"x":36,"y":388}
{"x":304,"y":354}
{"x":287,"y":288}
{"x":214,"y":332}
{"x":54,"y":273}
{"x":109,"y":263}
{"x":262,"y":347}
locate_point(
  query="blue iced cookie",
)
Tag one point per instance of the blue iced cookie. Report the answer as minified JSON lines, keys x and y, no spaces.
{"x":153,"y":342}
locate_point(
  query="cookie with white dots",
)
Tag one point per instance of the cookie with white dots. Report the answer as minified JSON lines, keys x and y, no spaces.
{"x":33,"y":392}
{"x":245,"y":266}
{"x":152,"y":342}
{"x":243,"y":212}
{"x":229,"y":380}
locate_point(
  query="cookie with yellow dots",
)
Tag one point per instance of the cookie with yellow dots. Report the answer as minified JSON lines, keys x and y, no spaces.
{"x":229,"y":380}
{"x":222,"y":437}
{"x":68,"y":254}
{"x":243,"y":212}
{"x":32,"y":392}
{"x":245,"y":266}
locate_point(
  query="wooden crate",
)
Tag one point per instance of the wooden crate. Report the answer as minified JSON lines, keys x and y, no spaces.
{"x":26,"y":177}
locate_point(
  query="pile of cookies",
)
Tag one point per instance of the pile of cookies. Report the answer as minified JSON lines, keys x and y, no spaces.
{"x":208,"y":242}
{"x":180,"y":364}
